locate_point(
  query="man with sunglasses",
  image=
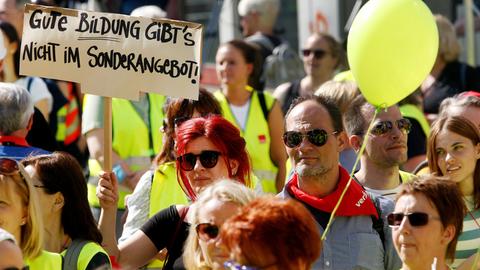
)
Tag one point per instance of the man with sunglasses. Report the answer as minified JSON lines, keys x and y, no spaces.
{"x":16,"y":110}
{"x":358,"y":237}
{"x":386,"y":146}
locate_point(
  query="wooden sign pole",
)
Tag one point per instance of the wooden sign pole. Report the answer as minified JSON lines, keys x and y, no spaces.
{"x":107,"y":146}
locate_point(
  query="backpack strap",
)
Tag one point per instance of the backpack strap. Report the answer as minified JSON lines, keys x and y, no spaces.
{"x":377,"y":223}
{"x":29,"y":83}
{"x":73,"y":253}
{"x":263,"y":104}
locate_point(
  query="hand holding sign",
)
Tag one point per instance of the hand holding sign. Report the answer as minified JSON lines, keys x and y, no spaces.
{"x":110,"y":54}
{"x":392,"y":46}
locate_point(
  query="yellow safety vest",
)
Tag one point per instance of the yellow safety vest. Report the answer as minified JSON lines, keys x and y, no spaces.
{"x":165,"y":191}
{"x":257,"y":136}
{"x":406,"y":176}
{"x":412,"y":111}
{"x":131,"y":139}
{"x":46,"y":260}
{"x":86,"y":254}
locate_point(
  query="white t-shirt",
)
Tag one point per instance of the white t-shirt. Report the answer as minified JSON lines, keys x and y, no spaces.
{"x":38,"y":90}
{"x":240,"y":113}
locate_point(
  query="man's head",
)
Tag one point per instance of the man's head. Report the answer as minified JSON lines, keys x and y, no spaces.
{"x":466,"y":106}
{"x":314,"y":136}
{"x":16,"y":109}
{"x":258,"y":16}
{"x":12,"y":11}
{"x":386,"y":145}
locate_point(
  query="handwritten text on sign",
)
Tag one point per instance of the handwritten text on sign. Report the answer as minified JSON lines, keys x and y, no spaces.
{"x":111,"y":54}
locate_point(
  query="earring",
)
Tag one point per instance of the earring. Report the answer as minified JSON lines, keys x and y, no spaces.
{"x":23,"y":222}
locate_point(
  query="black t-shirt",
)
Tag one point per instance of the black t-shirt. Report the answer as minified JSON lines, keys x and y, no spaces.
{"x":163,"y":229}
{"x":455,"y":78}
{"x":417,"y":140}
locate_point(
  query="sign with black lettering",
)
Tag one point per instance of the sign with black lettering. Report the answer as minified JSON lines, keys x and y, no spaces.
{"x":112,"y":55}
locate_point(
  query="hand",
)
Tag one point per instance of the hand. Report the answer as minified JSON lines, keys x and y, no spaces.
{"x":107,"y":190}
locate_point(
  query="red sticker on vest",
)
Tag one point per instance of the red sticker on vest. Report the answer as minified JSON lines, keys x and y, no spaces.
{"x":262,"y":138}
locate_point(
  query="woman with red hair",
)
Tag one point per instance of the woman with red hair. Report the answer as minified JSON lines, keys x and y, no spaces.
{"x":208,"y":149}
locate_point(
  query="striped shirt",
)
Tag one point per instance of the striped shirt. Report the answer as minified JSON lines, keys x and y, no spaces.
{"x":469,"y":239}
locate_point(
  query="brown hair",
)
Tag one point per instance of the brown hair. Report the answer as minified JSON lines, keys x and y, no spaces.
{"x":447,"y":200}
{"x":272,"y":231}
{"x":182,"y":107}
{"x":462,"y":127}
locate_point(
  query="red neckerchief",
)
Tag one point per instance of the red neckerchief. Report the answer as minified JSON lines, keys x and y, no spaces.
{"x":355,"y":202}
{"x":17,"y":141}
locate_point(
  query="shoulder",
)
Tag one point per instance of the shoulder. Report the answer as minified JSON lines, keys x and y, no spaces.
{"x":282,"y":90}
{"x":383,"y":204}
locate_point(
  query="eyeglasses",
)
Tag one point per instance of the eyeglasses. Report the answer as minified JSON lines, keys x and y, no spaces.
{"x":317,"y":137}
{"x":416,"y":219}
{"x":232,"y":265}
{"x":207,"y":231}
{"x":384,"y":127}
{"x":317,"y":53}
{"x":208,"y":159}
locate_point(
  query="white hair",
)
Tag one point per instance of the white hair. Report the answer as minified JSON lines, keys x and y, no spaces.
{"x":149,"y":11}
{"x":16,"y":108}
{"x":267,"y":10}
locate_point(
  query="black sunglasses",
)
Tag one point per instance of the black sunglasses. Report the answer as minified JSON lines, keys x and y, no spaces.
{"x":415,"y":219}
{"x":208,"y":159}
{"x":317,"y":53}
{"x":384,"y":127}
{"x":207,"y":231}
{"x":317,"y":137}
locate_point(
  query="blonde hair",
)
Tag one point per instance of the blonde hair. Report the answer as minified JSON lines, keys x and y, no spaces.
{"x":31,"y":242}
{"x":449,"y":47}
{"x":342,"y":93}
{"x":224,"y":191}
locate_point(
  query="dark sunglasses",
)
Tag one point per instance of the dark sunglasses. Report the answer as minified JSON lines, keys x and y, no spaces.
{"x":384,"y":127}
{"x":207,"y":231}
{"x":415,"y":219}
{"x":317,"y":53}
{"x":232,"y":265}
{"x":208,"y":159}
{"x":317,"y":137}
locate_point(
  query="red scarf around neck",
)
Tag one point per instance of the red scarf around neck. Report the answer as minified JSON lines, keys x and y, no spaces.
{"x":355,"y":202}
{"x":14,"y":140}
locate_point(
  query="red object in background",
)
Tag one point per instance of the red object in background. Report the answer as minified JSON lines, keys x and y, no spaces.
{"x":470,"y":94}
{"x":115,"y":265}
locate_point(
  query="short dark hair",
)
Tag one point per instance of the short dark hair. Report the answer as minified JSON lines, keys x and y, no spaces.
{"x":355,"y":122}
{"x":447,"y":199}
{"x":60,"y":172}
{"x":328,"y":103}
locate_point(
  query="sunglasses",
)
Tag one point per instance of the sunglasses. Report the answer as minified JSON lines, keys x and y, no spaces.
{"x":317,"y":137}
{"x":384,"y":127}
{"x":416,"y":219}
{"x":208,"y":159}
{"x":232,"y":265}
{"x":317,"y":53}
{"x":207,"y":231}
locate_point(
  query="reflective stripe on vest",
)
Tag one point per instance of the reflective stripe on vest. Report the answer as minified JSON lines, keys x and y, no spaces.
{"x":165,"y":191}
{"x":257,"y":136}
{"x":412,"y":111}
{"x":46,"y":260}
{"x":131,"y":139}
{"x":88,"y":251}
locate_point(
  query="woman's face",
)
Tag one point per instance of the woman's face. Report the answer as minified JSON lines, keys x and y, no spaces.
{"x":13,"y":213}
{"x":456,"y":156}
{"x":324,"y":64}
{"x":232,"y":68}
{"x":417,"y":246}
{"x":215,"y":213}
{"x":46,"y":201}
{"x":200,"y":176}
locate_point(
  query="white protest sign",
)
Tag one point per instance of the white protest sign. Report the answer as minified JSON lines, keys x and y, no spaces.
{"x":112,"y":55}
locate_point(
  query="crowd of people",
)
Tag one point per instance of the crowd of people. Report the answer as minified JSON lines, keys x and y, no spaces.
{"x":306,"y":176}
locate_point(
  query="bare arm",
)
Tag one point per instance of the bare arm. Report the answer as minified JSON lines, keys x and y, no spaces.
{"x":277,"y":149}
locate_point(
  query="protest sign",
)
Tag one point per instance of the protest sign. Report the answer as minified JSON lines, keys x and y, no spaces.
{"x":112,"y":55}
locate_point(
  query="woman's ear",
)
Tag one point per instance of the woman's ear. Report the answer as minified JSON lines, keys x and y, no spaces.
{"x":448,"y":234}
{"x":234,"y":166}
{"x":59,"y":201}
{"x":249,"y":69}
{"x":477,"y":151}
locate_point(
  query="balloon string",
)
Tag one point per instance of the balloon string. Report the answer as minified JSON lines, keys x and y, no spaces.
{"x":362,"y":148}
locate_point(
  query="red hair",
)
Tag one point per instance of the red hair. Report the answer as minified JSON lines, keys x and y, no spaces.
{"x":270,"y":231}
{"x":225,"y":136}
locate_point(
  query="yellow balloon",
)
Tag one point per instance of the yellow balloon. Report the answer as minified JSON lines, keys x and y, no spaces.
{"x":392,"y":46}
